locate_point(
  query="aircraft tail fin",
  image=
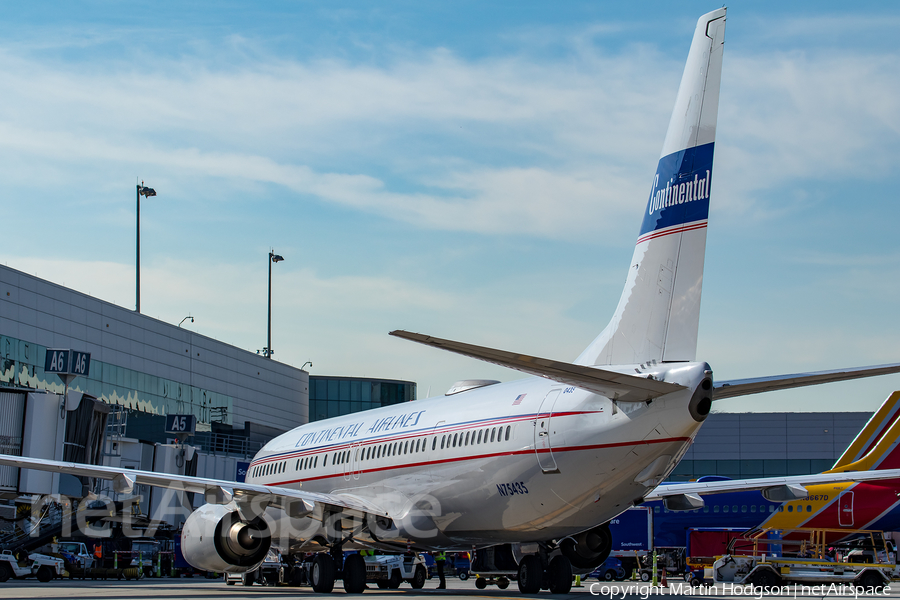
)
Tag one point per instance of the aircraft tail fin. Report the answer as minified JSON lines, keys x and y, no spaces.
{"x":658,"y":314}
{"x":877,"y":446}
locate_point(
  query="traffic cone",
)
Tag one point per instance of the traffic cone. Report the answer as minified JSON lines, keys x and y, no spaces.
{"x":663,"y":582}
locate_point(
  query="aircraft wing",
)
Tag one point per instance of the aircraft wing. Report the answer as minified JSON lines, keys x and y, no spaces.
{"x":618,"y":386}
{"x":686,"y":496}
{"x":215,"y":491}
{"x":742,"y":387}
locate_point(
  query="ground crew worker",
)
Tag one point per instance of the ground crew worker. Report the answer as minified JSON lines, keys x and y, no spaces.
{"x":439,"y":560}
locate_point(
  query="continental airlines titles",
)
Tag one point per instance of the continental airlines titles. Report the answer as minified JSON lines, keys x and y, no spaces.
{"x":332,"y":434}
{"x":698,"y":189}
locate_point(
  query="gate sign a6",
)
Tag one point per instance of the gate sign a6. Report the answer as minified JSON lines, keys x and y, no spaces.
{"x":185,"y":424}
{"x":65,"y":361}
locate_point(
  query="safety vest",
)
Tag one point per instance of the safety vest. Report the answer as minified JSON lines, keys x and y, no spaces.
{"x":441,"y":556}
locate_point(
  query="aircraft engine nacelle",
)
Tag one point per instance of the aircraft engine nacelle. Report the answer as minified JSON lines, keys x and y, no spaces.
{"x":215,"y":539}
{"x":588,"y":549}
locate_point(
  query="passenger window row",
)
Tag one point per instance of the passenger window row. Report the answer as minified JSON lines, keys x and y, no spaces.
{"x":484,"y":436}
{"x":375,"y":451}
{"x":743,"y":508}
{"x":270,"y":469}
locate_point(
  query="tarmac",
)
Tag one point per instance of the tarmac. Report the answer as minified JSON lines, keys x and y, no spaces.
{"x":197,"y":588}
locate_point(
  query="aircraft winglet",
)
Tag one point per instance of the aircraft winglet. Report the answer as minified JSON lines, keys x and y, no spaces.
{"x":617,"y":386}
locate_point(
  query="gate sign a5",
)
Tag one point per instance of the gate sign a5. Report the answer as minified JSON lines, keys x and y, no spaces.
{"x":65,"y":361}
{"x":181,"y":424}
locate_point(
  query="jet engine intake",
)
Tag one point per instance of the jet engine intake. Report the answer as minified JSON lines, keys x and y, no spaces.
{"x":588,"y":549}
{"x":215,"y":539}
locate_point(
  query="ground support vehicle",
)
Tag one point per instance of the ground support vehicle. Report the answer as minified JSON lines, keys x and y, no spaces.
{"x":76,"y":553}
{"x":145,"y":556}
{"x":670,"y":560}
{"x":270,"y":572}
{"x":388,"y":571}
{"x":610,"y":570}
{"x":773,"y":572}
{"x":495,"y":565}
{"x":632,"y":539}
{"x":41,"y":566}
{"x":705,"y":545}
{"x":461,"y":564}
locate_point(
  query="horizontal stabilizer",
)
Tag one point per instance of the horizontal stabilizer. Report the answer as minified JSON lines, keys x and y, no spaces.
{"x":743,"y":387}
{"x":617,"y":386}
{"x":780,"y":489}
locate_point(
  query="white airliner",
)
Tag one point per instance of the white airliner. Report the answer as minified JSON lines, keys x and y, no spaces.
{"x":541,"y":463}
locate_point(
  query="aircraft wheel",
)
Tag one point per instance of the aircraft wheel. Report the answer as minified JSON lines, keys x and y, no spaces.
{"x":354,"y":574}
{"x":531,"y":574}
{"x":44,"y":574}
{"x":560,"y":575}
{"x":503,"y":583}
{"x":322,"y":574}
{"x":481,"y":583}
{"x":419,"y":577}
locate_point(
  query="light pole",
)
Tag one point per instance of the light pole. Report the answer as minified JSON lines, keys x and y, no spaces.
{"x":273,"y":258}
{"x":146,"y":192}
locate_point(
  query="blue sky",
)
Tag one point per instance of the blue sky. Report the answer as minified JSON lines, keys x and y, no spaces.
{"x":470,"y":170}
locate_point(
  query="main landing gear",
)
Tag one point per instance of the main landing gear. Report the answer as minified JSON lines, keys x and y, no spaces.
{"x":557,"y":576}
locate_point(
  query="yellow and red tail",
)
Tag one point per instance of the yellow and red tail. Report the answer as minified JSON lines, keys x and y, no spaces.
{"x":876,"y":445}
{"x":850,"y":505}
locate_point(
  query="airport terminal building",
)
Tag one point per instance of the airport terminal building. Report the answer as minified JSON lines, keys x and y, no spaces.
{"x":142,"y":369}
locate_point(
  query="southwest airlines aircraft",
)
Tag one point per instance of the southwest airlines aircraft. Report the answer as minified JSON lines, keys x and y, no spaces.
{"x":541,"y":463}
{"x":841,"y":507}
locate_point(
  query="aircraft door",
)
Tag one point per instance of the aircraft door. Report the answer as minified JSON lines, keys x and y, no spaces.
{"x":355,"y":451}
{"x":542,"y":443}
{"x":845,"y":509}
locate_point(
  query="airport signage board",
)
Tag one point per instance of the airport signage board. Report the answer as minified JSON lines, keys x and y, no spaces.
{"x":65,"y":361}
{"x":241,"y":469}
{"x":181,"y":424}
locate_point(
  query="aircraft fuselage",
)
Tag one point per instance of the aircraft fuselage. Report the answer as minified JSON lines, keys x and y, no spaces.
{"x":514,"y":462}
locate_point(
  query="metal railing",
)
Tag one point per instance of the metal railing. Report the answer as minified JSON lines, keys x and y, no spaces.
{"x":225,"y":444}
